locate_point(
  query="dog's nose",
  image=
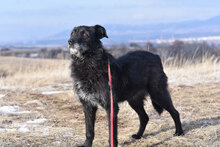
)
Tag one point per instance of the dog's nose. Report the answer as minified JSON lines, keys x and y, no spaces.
{"x":70,"y":42}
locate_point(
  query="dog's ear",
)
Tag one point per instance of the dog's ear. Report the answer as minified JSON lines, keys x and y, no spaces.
{"x":100,"y":32}
{"x":73,"y":31}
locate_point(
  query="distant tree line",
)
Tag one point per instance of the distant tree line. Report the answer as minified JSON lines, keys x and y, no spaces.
{"x":178,"y":50}
{"x":51,"y":53}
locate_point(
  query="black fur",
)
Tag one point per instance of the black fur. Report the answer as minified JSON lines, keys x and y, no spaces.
{"x":134,"y":75}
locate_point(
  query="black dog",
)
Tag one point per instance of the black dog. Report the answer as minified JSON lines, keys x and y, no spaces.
{"x":134,"y":75}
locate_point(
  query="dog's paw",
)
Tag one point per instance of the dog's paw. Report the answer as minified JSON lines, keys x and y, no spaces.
{"x":135,"y":136}
{"x":86,"y":144}
{"x":179,"y":133}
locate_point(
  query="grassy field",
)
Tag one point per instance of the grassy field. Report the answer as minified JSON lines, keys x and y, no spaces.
{"x":38,"y":107}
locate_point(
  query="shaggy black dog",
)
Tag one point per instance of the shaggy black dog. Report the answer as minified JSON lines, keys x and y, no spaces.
{"x":134,"y":75}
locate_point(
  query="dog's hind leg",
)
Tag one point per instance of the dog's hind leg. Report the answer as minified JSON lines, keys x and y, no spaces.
{"x":160,"y":97}
{"x":90,"y":116}
{"x":138,"y":106}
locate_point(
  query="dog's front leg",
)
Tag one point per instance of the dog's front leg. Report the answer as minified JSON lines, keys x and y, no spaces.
{"x":115,"y":124}
{"x":90,"y":116}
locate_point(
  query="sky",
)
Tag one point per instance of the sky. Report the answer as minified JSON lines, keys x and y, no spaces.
{"x":22,"y":20}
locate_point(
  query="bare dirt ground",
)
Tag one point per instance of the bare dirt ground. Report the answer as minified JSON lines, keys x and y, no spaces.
{"x":40,"y":108}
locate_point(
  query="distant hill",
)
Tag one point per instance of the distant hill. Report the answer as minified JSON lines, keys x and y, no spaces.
{"x":124,"y":33}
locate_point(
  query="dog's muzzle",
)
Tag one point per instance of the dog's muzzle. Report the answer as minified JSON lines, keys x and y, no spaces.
{"x":74,"y":49}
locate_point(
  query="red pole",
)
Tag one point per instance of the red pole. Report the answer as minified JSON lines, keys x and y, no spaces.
{"x":111,"y":96}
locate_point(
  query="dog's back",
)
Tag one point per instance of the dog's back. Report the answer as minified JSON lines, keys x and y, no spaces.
{"x":141,"y":69}
{"x":140,"y":64}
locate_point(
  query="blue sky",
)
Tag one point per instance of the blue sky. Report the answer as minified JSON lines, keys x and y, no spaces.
{"x":31,"y":19}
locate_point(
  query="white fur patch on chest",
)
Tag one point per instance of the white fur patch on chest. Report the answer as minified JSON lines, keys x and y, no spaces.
{"x":86,"y":95}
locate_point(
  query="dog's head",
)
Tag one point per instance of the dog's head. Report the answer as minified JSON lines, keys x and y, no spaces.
{"x":86,"y":39}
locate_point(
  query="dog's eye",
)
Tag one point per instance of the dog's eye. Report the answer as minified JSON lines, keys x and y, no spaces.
{"x":85,"y":34}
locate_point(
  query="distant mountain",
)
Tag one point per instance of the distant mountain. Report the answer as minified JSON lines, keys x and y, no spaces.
{"x":124,"y":33}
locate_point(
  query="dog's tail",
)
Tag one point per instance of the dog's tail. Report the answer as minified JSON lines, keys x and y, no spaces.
{"x":157,"y":107}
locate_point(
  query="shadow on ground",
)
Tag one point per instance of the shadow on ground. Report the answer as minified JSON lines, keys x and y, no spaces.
{"x":205,"y":122}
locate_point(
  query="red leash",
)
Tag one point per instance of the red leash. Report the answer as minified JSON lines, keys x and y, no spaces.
{"x":111,"y":96}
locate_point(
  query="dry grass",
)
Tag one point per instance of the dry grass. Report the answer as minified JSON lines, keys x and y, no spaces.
{"x":194,"y":87}
{"x":193,"y":71}
{"x":33,"y":72}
